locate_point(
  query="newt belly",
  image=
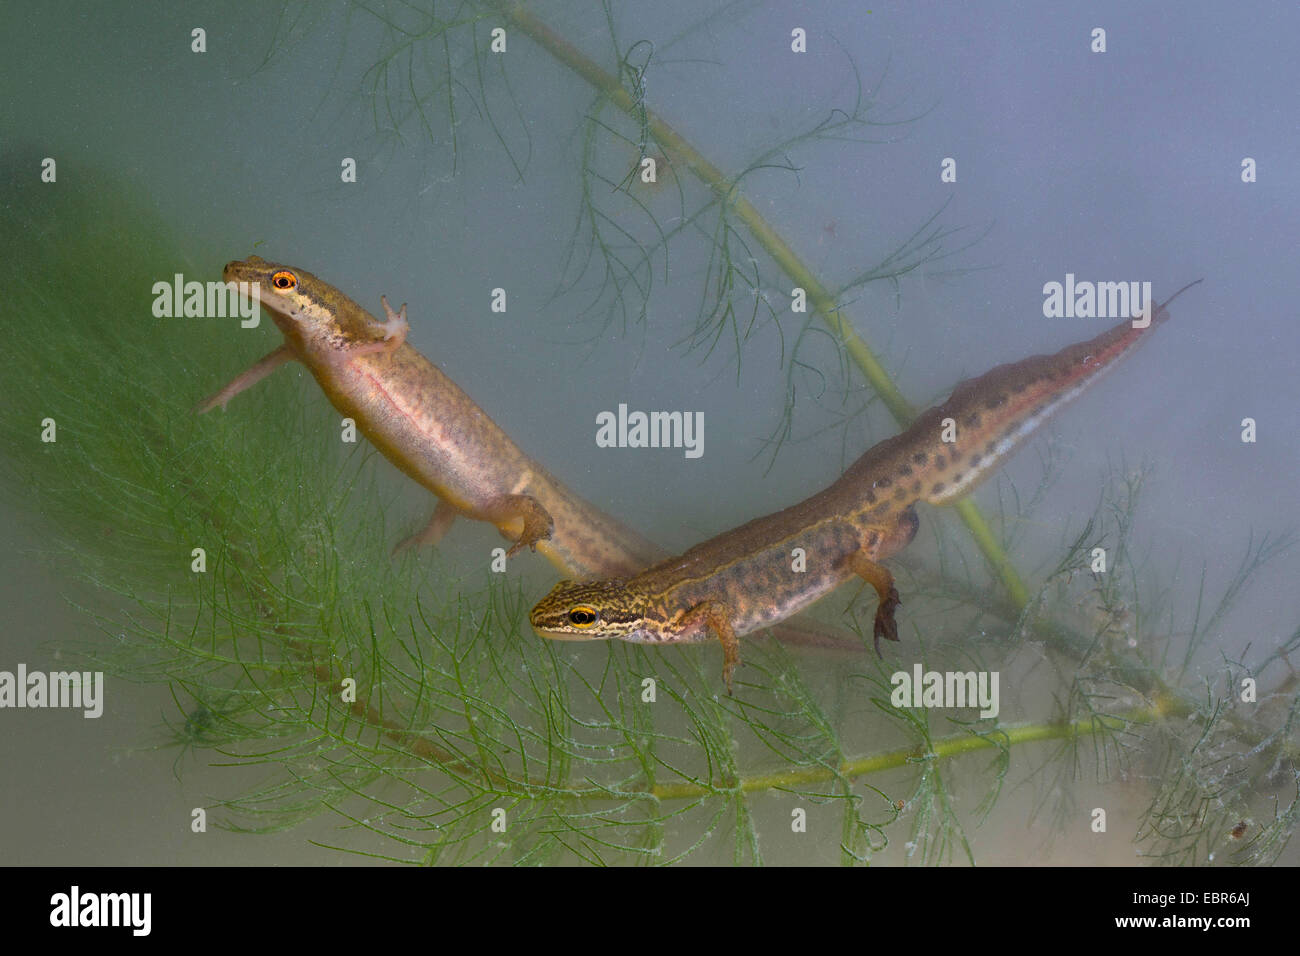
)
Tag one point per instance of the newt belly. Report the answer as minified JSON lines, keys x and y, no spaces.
{"x":427,"y":426}
{"x":751,"y":577}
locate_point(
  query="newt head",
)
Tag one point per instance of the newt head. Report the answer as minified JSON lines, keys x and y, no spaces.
{"x":309,"y":311}
{"x":589,"y":611}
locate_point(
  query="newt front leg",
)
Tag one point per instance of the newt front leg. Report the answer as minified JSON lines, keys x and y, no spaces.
{"x":263,"y":367}
{"x":716,"y":617}
{"x":395,"y":328}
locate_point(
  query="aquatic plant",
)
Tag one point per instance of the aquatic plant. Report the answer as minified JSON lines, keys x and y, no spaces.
{"x":418,"y":707}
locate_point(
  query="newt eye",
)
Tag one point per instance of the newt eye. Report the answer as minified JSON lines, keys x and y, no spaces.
{"x":284,"y":281}
{"x":583,"y":616}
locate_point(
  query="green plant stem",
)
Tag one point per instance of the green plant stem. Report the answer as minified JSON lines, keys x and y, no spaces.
{"x":819,"y":295}
{"x":944,"y":748}
{"x":987,"y":542}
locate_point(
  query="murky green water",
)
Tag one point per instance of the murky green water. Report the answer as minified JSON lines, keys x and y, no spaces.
{"x":460,"y":178}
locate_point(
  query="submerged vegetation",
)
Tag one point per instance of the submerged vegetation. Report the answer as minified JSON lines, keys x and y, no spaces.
{"x":419,"y":708}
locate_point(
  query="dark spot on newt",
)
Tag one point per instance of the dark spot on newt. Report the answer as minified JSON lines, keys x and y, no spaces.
{"x":916,"y":487}
{"x":871,"y":497}
{"x":920,"y":458}
{"x":976,"y":459}
{"x":938,"y":487}
{"x":900,"y":493}
{"x":884,"y":482}
{"x":973,"y":419}
{"x":940,"y":461}
{"x":905,"y":470}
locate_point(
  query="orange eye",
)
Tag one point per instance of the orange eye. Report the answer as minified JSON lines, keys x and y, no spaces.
{"x":583,"y":616}
{"x":284,"y":281}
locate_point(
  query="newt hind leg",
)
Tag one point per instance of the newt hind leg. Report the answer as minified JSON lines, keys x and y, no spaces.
{"x":506,"y":509}
{"x":444,"y":515}
{"x":502,"y":510}
{"x":862,"y":564}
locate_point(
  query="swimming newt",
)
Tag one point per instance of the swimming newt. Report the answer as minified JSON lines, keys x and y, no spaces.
{"x":747,"y":578}
{"x":427,"y":426}
{"x":433,"y":431}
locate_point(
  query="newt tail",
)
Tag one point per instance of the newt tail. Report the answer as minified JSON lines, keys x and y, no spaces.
{"x":995,"y":412}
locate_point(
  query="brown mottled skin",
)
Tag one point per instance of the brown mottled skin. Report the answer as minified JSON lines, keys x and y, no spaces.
{"x":745,"y":578}
{"x":435,"y":433}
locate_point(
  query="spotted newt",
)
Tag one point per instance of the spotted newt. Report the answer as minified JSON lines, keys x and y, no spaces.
{"x":749,"y":577}
{"x":434,"y":432}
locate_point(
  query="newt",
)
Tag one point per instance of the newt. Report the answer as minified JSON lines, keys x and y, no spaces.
{"x":427,"y":426}
{"x":745,"y":579}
